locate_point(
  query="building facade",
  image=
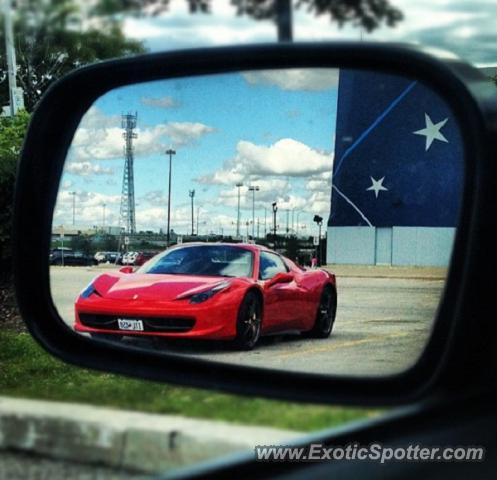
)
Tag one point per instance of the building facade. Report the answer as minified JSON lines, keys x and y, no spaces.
{"x":397,"y":173}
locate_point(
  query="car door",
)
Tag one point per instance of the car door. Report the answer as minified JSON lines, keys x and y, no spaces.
{"x":279,"y":313}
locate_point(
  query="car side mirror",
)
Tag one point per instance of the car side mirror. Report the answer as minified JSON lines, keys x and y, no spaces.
{"x":393,"y":146}
{"x":282,"y":277}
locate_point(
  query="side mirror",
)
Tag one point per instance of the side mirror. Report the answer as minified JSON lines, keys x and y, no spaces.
{"x":402,"y":174}
{"x":282,"y":277}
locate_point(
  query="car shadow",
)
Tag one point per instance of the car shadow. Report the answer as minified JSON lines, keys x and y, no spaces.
{"x":183,"y":346}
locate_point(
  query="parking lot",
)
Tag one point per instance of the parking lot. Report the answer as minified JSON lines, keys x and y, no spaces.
{"x":384,"y":318}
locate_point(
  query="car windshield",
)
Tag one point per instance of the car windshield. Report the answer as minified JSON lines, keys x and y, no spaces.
{"x":209,"y":260}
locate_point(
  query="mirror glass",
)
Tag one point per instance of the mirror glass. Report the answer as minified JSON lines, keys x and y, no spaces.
{"x":298,"y":219}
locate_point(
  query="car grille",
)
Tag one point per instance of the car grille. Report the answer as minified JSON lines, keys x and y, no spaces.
{"x":150,"y":324}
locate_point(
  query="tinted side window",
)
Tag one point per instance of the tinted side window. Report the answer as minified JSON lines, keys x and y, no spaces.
{"x":270,"y":265}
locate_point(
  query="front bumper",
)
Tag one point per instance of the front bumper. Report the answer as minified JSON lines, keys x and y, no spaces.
{"x":213,"y":319}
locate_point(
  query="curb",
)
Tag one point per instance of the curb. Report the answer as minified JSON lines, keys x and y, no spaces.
{"x":121,"y":439}
{"x":388,"y":272}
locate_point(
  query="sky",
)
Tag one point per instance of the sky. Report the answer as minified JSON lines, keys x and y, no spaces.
{"x":214,"y":147}
{"x":464,"y":27}
{"x":270,"y":129}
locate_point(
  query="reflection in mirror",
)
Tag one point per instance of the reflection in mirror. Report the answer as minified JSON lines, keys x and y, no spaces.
{"x":286,"y":219}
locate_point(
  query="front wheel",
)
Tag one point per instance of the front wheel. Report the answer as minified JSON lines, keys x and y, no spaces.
{"x":325,"y":316}
{"x":249,"y":322}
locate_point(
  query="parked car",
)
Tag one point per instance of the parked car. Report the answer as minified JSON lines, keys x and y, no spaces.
{"x":129,"y":258}
{"x":70,"y":257}
{"x":103,"y":257}
{"x":143,"y":257}
{"x":211,"y":292}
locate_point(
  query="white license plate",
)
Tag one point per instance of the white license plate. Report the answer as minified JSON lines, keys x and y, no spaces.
{"x":135,"y":325}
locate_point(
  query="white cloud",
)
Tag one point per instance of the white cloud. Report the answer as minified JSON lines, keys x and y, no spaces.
{"x":100,"y":137}
{"x":155,"y":198}
{"x":222,"y":177}
{"x":287,"y":157}
{"x":155,"y":218}
{"x":183,"y":133}
{"x":319,"y":203}
{"x":177,"y":28}
{"x":162,"y":102}
{"x":89,"y":208}
{"x":315,"y":79}
{"x":290,"y":202}
{"x":85,"y":169}
{"x":319,"y":183}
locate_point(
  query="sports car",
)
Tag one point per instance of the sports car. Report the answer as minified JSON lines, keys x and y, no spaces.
{"x":216,"y":291}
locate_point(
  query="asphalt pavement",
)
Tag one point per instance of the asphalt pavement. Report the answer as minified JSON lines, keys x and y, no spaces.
{"x":384,"y":318}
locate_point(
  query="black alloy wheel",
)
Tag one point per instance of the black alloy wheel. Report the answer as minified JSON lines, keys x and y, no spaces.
{"x":249,"y":322}
{"x":325,"y":316}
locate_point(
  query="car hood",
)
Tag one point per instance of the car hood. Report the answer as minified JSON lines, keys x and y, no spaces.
{"x":147,"y":286}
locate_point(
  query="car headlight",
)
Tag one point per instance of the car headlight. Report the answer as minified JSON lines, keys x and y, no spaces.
{"x":88,"y":291}
{"x":206,"y":294}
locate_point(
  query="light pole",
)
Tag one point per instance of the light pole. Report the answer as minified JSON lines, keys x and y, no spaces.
{"x":169,"y":152}
{"x":275,"y":209}
{"x":293,"y":219}
{"x":73,"y":207}
{"x":103,"y":216}
{"x":15,"y":101}
{"x":192,"y":196}
{"x":298,"y":215}
{"x":265,"y":215}
{"x":319,"y":221}
{"x":253,"y":189}
{"x":238,"y":185}
{"x":198,"y":216}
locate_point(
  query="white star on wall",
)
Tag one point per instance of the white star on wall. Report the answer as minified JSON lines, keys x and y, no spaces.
{"x":377,"y":186}
{"x":432,"y":131}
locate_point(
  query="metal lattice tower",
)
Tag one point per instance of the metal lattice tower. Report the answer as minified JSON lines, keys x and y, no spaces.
{"x":127,"y":213}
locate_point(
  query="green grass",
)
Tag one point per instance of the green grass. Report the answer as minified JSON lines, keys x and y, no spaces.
{"x":27,"y":371}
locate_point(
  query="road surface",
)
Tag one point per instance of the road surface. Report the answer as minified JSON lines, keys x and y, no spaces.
{"x":382,"y":324}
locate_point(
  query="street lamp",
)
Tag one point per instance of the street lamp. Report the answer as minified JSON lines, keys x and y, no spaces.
{"x":265,"y":215}
{"x":238,"y":185}
{"x":169,"y":152}
{"x":103,"y":216}
{"x":192,"y":196}
{"x":298,"y":215}
{"x":253,"y":189}
{"x":73,"y":207}
{"x":198,"y":216}
{"x":319,"y":221}
{"x":275,"y":209}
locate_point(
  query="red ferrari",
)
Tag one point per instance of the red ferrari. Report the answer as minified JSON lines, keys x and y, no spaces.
{"x":211,"y":291}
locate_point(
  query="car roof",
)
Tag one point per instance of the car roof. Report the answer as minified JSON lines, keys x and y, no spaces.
{"x":246,"y":246}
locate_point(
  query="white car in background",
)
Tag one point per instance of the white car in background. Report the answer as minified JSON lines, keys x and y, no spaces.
{"x":110,"y":257}
{"x":129,"y":258}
